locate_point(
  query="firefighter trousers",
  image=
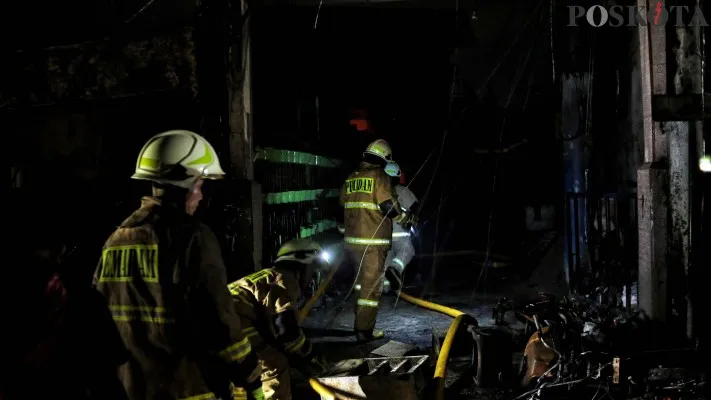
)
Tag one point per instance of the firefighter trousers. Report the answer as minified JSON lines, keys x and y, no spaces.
{"x":276,"y":381}
{"x":401,"y":254}
{"x":370,"y":279}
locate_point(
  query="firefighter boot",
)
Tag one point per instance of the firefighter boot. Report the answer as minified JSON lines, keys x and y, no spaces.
{"x":369,"y":336}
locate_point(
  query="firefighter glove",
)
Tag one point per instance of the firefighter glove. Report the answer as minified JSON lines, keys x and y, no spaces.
{"x":393,"y":275}
{"x":403,"y":218}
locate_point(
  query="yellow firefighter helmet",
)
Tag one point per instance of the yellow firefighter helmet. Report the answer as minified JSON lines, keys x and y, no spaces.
{"x":379,"y":148}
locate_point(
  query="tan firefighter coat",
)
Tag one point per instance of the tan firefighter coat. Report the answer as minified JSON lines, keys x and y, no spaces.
{"x":259,"y":298}
{"x":361,"y":195}
{"x":162,"y":275}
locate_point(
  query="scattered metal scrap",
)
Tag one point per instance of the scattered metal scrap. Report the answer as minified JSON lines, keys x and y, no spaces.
{"x":378,"y":378}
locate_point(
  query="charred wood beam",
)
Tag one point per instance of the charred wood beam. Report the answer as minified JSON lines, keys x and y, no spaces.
{"x":99,"y":70}
{"x":212,"y":43}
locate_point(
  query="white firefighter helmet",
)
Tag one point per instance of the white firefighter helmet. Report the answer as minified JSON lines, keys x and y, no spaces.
{"x":178,"y":158}
{"x":306,"y":252}
{"x":379,"y":148}
{"x":392,"y":169}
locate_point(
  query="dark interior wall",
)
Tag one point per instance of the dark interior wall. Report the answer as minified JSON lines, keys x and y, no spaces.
{"x":83,"y":87}
{"x":509,"y":99}
{"x":392,"y":62}
{"x":397,"y":63}
{"x":79,"y":159}
{"x":35,"y":25}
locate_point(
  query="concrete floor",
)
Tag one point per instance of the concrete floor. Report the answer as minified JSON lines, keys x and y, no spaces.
{"x":330,"y":326}
{"x":400,"y":320}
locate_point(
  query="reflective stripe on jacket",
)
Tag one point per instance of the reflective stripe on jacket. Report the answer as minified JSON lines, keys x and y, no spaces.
{"x":361,"y":195}
{"x":162,"y":275}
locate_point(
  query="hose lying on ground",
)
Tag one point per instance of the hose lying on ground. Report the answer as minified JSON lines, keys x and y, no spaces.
{"x":443,"y":357}
{"x":322,"y":390}
{"x":441,"y":367}
{"x":454,"y":313}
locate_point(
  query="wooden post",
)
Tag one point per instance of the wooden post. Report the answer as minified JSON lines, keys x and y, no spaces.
{"x":241,"y":136}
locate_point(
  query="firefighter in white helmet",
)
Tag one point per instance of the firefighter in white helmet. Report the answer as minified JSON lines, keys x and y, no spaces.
{"x":163,"y":277}
{"x":370,"y":209}
{"x":403,"y":250}
{"x":266,"y":302}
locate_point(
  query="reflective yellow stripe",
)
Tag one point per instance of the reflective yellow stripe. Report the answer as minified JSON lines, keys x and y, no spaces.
{"x":377,"y":242}
{"x":361,"y":204}
{"x":204,"y":396}
{"x":238,"y":393}
{"x":367,"y":303}
{"x":237,"y":351}
{"x":259,"y":275}
{"x":400,"y":234}
{"x":249,"y":332}
{"x":296,"y":344}
{"x":155,"y":315}
{"x":399,"y":262}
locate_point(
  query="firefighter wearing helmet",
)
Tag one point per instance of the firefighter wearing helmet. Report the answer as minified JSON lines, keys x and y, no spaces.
{"x":266,"y":302}
{"x":370,"y":208}
{"x":403,"y":251}
{"x":165,"y":283}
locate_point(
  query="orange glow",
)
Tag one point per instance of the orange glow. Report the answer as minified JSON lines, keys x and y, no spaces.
{"x":361,"y":124}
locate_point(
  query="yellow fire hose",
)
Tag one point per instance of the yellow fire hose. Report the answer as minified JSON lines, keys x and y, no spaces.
{"x":441,"y":366}
{"x":431,"y":306}
{"x":321,"y":389}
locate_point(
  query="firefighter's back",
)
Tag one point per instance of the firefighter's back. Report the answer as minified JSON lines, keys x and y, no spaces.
{"x":363,"y":219}
{"x":144,"y":276}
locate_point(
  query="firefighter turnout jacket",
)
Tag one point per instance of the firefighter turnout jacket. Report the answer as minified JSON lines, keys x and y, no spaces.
{"x":163,"y":277}
{"x":267,"y":299}
{"x":363,"y":196}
